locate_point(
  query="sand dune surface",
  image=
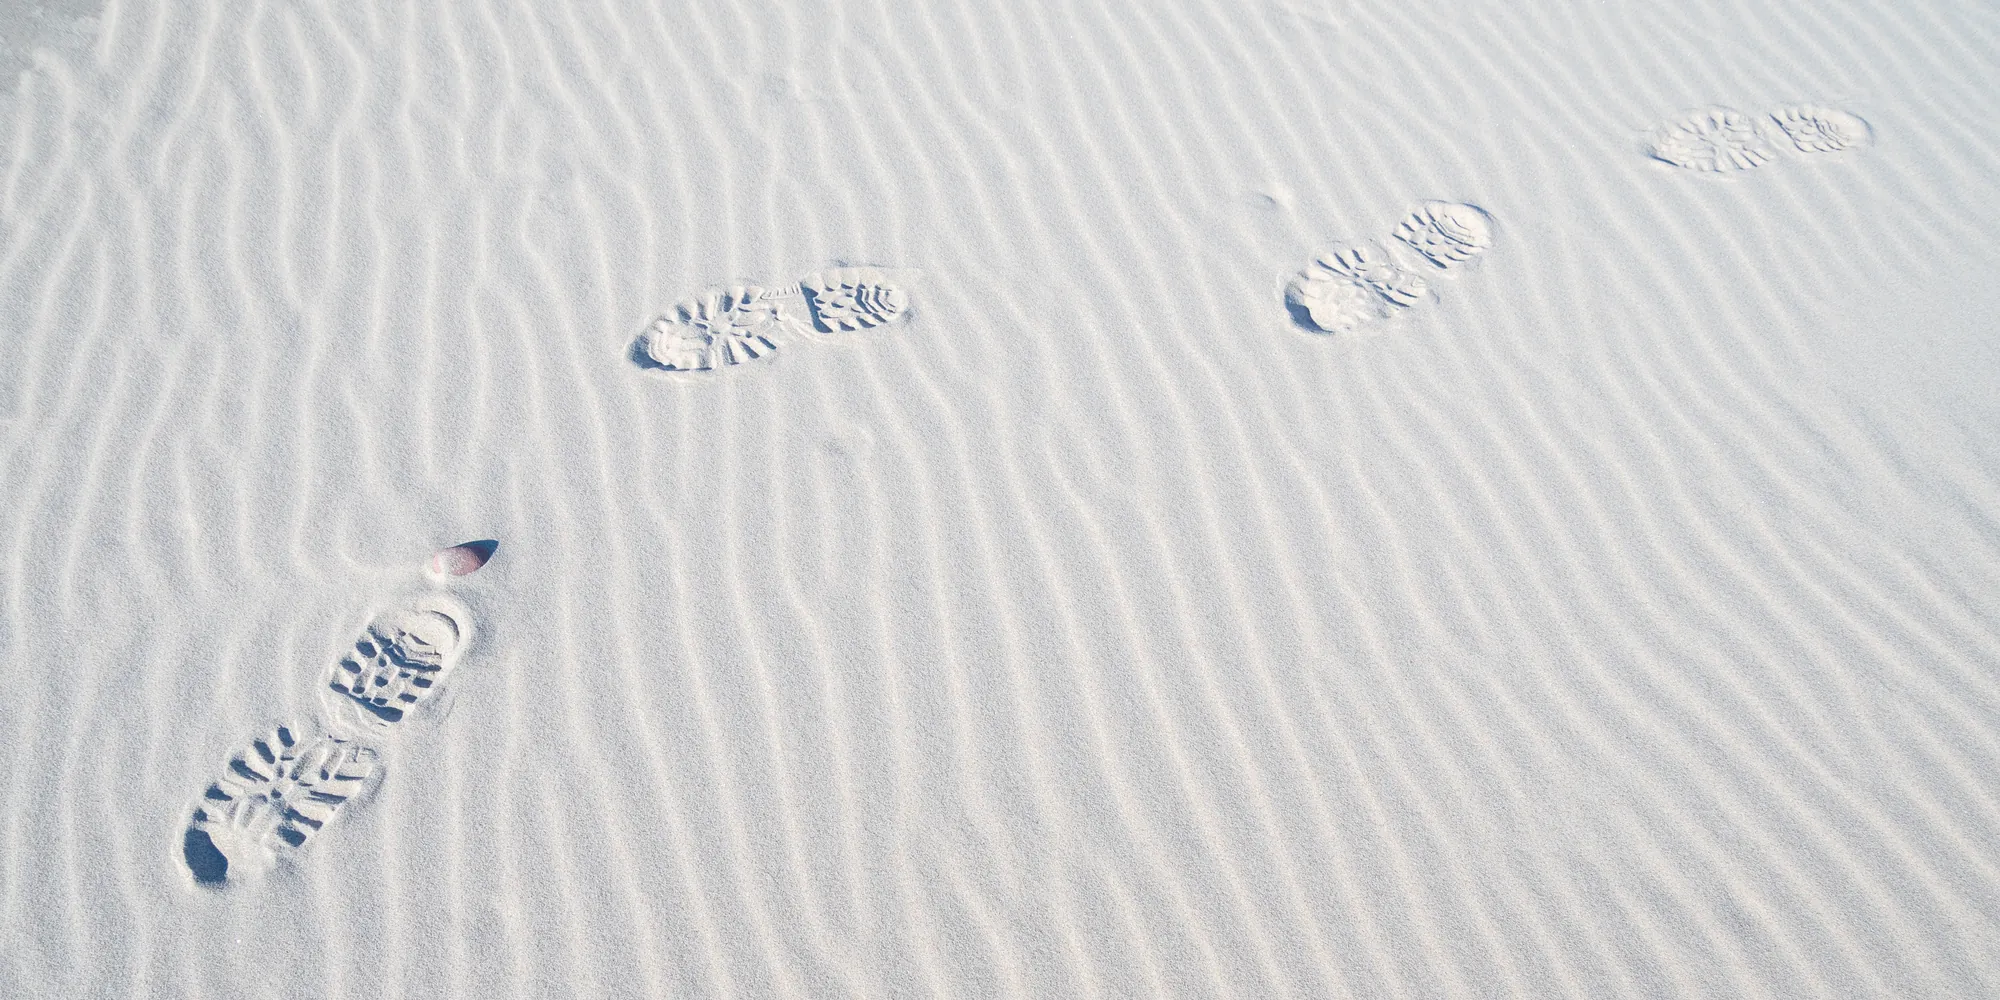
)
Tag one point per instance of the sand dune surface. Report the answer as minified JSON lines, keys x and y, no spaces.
{"x":1290,"y":499}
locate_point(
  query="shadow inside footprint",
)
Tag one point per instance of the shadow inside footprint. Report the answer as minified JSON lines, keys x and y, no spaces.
{"x":643,"y":357}
{"x":273,"y":797}
{"x":208,"y":864}
{"x":395,"y":665}
{"x":1302,"y":316}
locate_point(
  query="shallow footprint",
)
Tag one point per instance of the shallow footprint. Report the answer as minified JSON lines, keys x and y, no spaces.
{"x":1815,"y":129}
{"x":726,"y":327}
{"x":1322,"y":300}
{"x":1447,"y":233}
{"x":1350,"y":286}
{"x":1712,"y":140}
{"x":720,"y":328}
{"x":1374,"y":268}
{"x":398,"y":662}
{"x":852,"y":298}
{"x":274,"y":796}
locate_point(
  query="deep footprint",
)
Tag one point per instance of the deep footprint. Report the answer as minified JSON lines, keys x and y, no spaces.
{"x":726,"y":327}
{"x":397,"y":664}
{"x":273,"y":797}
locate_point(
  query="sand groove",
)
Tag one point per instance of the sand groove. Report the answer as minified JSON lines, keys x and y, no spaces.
{"x":1084,"y":631}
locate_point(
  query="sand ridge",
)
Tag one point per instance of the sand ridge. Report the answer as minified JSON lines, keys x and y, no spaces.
{"x":1614,"y":623}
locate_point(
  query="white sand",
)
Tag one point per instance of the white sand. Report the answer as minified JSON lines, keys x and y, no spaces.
{"x":1617,"y":618}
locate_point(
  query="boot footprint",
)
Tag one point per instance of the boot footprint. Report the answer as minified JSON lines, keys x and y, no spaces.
{"x":396,"y":664}
{"x":726,"y":327}
{"x":1353,"y":285}
{"x":272,"y":798}
{"x":1721,"y":140}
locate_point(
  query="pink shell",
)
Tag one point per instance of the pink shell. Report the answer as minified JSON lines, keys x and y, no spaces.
{"x":459,"y":559}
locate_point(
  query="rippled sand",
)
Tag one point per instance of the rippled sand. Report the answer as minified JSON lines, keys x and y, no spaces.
{"x":1269,"y":500}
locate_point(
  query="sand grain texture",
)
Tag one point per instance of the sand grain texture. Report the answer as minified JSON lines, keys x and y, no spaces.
{"x":1615,"y":620}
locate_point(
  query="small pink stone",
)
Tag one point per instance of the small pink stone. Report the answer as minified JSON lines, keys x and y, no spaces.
{"x":461,"y":559}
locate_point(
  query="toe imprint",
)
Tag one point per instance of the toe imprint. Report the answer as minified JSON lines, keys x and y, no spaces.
{"x":1447,"y":233}
{"x":852,"y":298}
{"x":1821,"y":130}
{"x":396,"y":664}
